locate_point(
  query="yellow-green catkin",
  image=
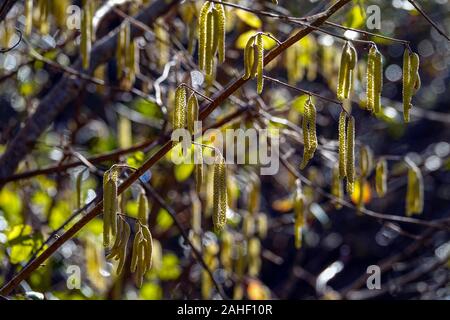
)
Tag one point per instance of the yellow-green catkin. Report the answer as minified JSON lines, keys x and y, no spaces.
{"x":249,"y":57}
{"x":254,"y":194}
{"x":199,"y":170}
{"x":259,"y":64}
{"x":350,"y":154}
{"x":123,"y":42}
{"x":309,"y":132}
{"x":142,"y":208}
{"x":192,"y":112}
{"x":374,"y":80}
{"x":365,"y":161}
{"x":342,"y":144}
{"x":262,"y":225}
{"x":299,"y":213}
{"x":414,"y":193}
{"x":337,"y":189}
{"x":211,"y":36}
{"x":226,"y":252}
{"x":86,"y":39}
{"x":78,"y":182}
{"x":110,"y":206}
{"x":119,"y":249}
{"x":210,"y":258}
{"x":219,"y":30}
{"x":254,"y":256}
{"x":132,"y":63}
{"x":142,"y":252}
{"x":196,"y":221}
{"x":219,"y":194}
{"x":381,"y":172}
{"x":345,"y":78}
{"x":28,"y":17}
{"x":179,"y":115}
{"x":43,"y":9}
{"x":411,"y":80}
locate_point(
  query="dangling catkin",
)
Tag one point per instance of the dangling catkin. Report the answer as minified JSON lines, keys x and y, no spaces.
{"x":142,"y":208}
{"x":28,"y":17}
{"x":209,"y":54}
{"x":381,"y":171}
{"x":219,"y":30}
{"x":411,"y":80}
{"x":260,"y":63}
{"x":374,"y":80}
{"x":86,"y":39}
{"x":78,"y":182}
{"x":219,"y":194}
{"x":342,"y":144}
{"x":414,"y":193}
{"x":179,"y":115}
{"x":262,"y":225}
{"x":343,"y":72}
{"x":110,"y":205}
{"x":254,"y":257}
{"x":365,"y":161}
{"x":248,"y":58}
{"x":203,"y":26}
{"x":299,"y":213}
{"x":350,"y":148}
{"x":309,"y":132}
{"x":119,"y":249}
{"x":337,"y":190}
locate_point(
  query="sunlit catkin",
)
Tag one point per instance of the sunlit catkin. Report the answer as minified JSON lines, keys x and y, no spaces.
{"x":219,"y":194}
{"x":345,"y":77}
{"x":262,"y":225}
{"x":299,"y":213}
{"x":202,"y":27}
{"x":249,"y":57}
{"x":199,"y":170}
{"x":219,"y":30}
{"x":141,"y":256}
{"x":350,"y":158}
{"x":337,"y":189}
{"x":226,"y":252}
{"x":342,"y":144}
{"x":78,"y":182}
{"x":179,"y":114}
{"x":365,"y":161}
{"x":414,"y":193}
{"x":254,"y":256}
{"x":411,"y":80}
{"x":119,"y":249}
{"x":381,"y":172}
{"x":142,"y":208}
